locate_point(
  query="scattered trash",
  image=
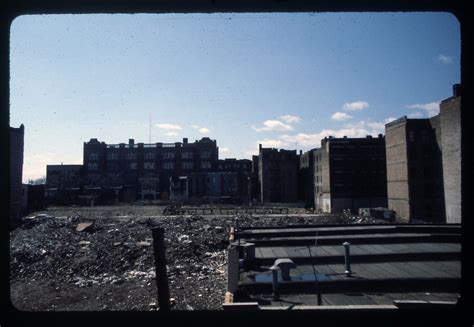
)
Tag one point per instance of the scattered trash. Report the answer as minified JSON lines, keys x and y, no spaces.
{"x":118,"y":255}
{"x":83,"y":227}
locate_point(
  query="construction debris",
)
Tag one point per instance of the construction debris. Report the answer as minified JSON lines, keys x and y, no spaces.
{"x":114,"y":266}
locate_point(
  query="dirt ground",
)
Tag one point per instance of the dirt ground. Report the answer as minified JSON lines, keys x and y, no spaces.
{"x":110,"y":265}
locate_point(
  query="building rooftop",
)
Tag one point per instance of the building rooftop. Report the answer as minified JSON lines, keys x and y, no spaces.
{"x":391,"y":265}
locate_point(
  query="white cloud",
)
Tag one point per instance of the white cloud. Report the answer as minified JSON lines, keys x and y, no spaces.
{"x":389,"y":120}
{"x":290,"y":119}
{"x":355,"y":106}
{"x":445,"y":59}
{"x":431,"y":108}
{"x":168,"y":126}
{"x":171,"y":134}
{"x":204,"y":130}
{"x":271,"y":143}
{"x":274,"y":125}
{"x":224,"y":150}
{"x":252,"y":152}
{"x":340,"y":116}
{"x":416,"y":114}
{"x":306,"y":141}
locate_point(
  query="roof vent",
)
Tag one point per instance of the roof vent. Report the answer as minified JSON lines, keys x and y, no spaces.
{"x":285,"y":265}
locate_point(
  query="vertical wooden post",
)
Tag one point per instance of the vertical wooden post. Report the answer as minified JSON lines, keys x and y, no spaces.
{"x":160,"y":268}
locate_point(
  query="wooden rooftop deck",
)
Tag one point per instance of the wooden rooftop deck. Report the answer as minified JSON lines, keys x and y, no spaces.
{"x":388,"y":262}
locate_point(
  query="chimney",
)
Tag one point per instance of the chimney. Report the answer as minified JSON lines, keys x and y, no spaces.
{"x":301,"y":152}
{"x":380,"y":136}
{"x":131,"y":141}
{"x":260,"y":146}
{"x":185,"y":140}
{"x":457,"y":90}
{"x":369,"y":136}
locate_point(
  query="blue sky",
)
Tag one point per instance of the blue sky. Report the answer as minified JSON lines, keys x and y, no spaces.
{"x":283,"y":80}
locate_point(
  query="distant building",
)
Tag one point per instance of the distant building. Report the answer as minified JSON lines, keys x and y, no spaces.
{"x":17,"y":136}
{"x":350,"y":173}
{"x":33,"y":197}
{"x":64,"y":176}
{"x":222,"y":186}
{"x":306,"y":177}
{"x":278,"y":175}
{"x":149,"y":164}
{"x":255,"y":188}
{"x":130,"y":172}
{"x":424,"y":165}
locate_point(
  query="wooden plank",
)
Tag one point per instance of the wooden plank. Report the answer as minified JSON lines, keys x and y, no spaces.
{"x":280,"y":252}
{"x":370,"y":271}
{"x":451,"y":266}
{"x":399,"y":269}
{"x":292,"y":252}
{"x":440,"y":269}
{"x":380,"y":299}
{"x":339,"y":299}
{"x":320,"y":251}
{"x":266,"y":252}
{"x":360,"y":299}
{"x":417,"y":271}
{"x":432,"y":269}
{"x":380,"y":270}
{"x":370,"y":249}
{"x":332,"y":250}
{"x":356,"y":250}
{"x":338,"y":269}
{"x":447,"y":296}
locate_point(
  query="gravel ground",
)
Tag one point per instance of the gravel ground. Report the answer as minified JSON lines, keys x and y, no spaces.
{"x":109,"y":265}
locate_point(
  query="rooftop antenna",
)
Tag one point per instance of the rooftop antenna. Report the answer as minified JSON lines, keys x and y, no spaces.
{"x":150,"y":129}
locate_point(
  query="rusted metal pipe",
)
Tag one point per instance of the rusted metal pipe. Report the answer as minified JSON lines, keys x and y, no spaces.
{"x":158,"y":234}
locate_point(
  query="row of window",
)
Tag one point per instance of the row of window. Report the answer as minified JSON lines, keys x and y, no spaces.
{"x":235,"y":166}
{"x":151,"y":155}
{"x":151,"y":165}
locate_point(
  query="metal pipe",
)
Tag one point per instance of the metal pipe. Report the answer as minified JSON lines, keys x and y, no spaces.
{"x":275,"y":281}
{"x":347,"y":258}
{"x":158,"y":234}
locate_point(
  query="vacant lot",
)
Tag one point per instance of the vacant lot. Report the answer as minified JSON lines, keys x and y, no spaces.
{"x":109,"y":265}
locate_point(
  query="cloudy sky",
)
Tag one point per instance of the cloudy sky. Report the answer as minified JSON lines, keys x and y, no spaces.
{"x":282,"y":80}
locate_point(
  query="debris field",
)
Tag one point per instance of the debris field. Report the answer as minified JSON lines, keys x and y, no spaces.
{"x":70,"y":259}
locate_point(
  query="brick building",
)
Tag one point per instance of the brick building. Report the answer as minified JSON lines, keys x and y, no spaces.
{"x":147,"y":166}
{"x":278,"y":175}
{"x":424,"y":165}
{"x":450,"y":123}
{"x":350,"y":173}
{"x":306,"y":177}
{"x":17,"y":136}
{"x":64,"y":176}
{"x":231,"y":181}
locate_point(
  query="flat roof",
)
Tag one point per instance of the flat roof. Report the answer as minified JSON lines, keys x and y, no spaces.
{"x":390,"y":263}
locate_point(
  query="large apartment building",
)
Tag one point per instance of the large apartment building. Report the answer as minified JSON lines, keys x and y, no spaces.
{"x":148,"y":166}
{"x":424,"y":165}
{"x":350,"y":173}
{"x":278,"y":175}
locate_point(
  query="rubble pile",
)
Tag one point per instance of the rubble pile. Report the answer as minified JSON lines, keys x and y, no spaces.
{"x":107,"y":263}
